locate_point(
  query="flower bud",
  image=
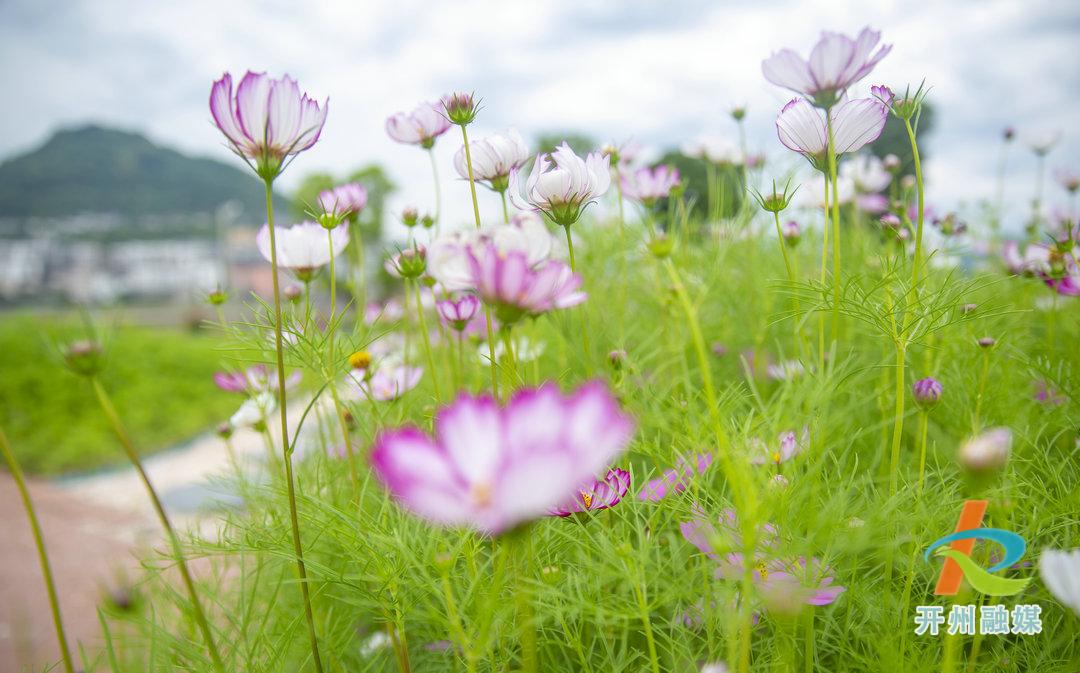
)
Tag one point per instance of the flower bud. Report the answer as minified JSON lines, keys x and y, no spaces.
{"x":891,"y":163}
{"x":792,"y":232}
{"x":968,"y":308}
{"x":360,"y":360}
{"x":718,"y":349}
{"x":738,"y":112}
{"x":891,"y":220}
{"x":986,"y":342}
{"x":660,"y":246}
{"x":927,"y":392}
{"x":907,"y":182}
{"x":987,"y":452}
{"x":461,"y":108}
{"x":409,"y":217}
{"x":293,"y":293}
{"x":217,"y":297}
{"x":409,"y":263}
{"x":84,"y":358}
{"x":1008,"y":133}
{"x":427,"y":221}
{"x":616,"y":359}
{"x":225,"y":430}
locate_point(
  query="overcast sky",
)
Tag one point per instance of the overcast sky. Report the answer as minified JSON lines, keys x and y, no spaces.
{"x":657,"y":73}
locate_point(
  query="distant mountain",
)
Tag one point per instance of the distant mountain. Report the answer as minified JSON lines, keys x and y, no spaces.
{"x":93,"y":169}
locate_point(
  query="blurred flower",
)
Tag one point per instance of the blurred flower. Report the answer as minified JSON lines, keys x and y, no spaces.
{"x":253,"y":380}
{"x":1008,"y":133}
{"x":789,"y":445}
{"x":391,"y":311}
{"x":562,"y":184}
{"x":714,"y":667}
{"x":525,"y":350}
{"x":891,"y":163}
{"x":647,"y":185}
{"x":420,"y":127}
{"x":791,"y":231}
{"x":526,"y":233}
{"x":596,"y":494}
{"x":456,"y":313}
{"x":360,"y":359}
{"x":786,"y":370}
{"x":492,"y":468}
{"x":267,"y":121}
{"x":408,"y":263}
{"x":388,"y":382}
{"x":616,"y":359}
{"x":1041,"y":143}
{"x":493,"y":157}
{"x":85,"y":358}
{"x":1060,"y":571}
{"x":867,"y":172}
{"x":344,"y":200}
{"x":303,"y":248}
{"x":836,"y":62}
{"x":217,"y":297}
{"x":292,"y":293}
{"x":1069,"y":179}
{"x":253,"y":412}
{"x":379,"y":640}
{"x":855,"y":123}
{"x":927,"y":392}
{"x":675,"y":480}
{"x":225,"y":430}
{"x":988,"y":451}
{"x":507,"y":283}
{"x":1048,"y":395}
{"x":986,"y":342}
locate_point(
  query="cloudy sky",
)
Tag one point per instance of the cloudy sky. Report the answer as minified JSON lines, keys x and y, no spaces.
{"x":658,"y":73}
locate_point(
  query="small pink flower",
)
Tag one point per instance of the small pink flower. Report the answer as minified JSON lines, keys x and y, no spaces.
{"x":386,"y":383}
{"x":420,"y":127}
{"x":254,"y":380}
{"x":562,"y":184}
{"x":344,"y":200}
{"x":304,"y":247}
{"x":596,"y":494}
{"x":836,"y":62}
{"x":493,"y":158}
{"x":647,"y":185}
{"x":675,"y":480}
{"x":457,"y":313}
{"x":506,"y":282}
{"x":788,"y":446}
{"x":856,"y":123}
{"x":491,"y":467}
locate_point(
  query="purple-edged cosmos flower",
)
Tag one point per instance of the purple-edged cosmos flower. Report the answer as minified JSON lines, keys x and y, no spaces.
{"x":836,"y":62}
{"x":507,"y":283}
{"x":676,"y":479}
{"x":420,"y":127}
{"x":647,"y":185}
{"x":456,"y":313}
{"x":855,"y":123}
{"x":303,"y":248}
{"x":597,"y":494}
{"x":491,"y":468}
{"x":344,"y":200}
{"x":562,"y":184}
{"x":788,"y":446}
{"x":388,"y":382}
{"x":253,"y":380}
{"x":493,"y":158}
{"x":267,"y":121}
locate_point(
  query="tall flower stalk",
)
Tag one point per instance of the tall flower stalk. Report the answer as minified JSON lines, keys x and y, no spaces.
{"x":43,"y":556}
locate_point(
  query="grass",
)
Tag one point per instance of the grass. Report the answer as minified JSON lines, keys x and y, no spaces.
{"x":611,"y":588}
{"x":160,"y":380}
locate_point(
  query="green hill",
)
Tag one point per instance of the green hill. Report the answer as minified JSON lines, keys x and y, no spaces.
{"x":92,"y":169}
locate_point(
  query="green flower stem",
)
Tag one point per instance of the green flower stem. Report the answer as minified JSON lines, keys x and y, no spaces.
{"x":783,"y":248}
{"x":923,"y":423}
{"x":511,"y":360}
{"x":133,"y":455}
{"x":426,"y":337}
{"x":487,"y":310}
{"x":898,"y":418}
{"x":331,"y":373}
{"x":521,"y":556}
{"x":810,"y":655}
{"x":836,"y":231}
{"x":917,"y":265}
{"x":455,"y":623}
{"x":438,"y":189}
{"x":824,"y":273}
{"x":357,"y":235}
{"x":646,"y":622}
{"x":573,"y":267}
{"x":294,"y":519}
{"x":977,"y":417}
{"x":43,"y":556}
{"x":570,"y":247}
{"x":506,"y":211}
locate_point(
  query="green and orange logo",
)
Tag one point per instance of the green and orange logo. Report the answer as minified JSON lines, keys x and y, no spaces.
{"x":956,"y":548}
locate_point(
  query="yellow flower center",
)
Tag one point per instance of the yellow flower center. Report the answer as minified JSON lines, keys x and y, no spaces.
{"x":360,"y":360}
{"x":587,"y":499}
{"x":776,"y":457}
{"x":481,"y":494}
{"x":762,"y":570}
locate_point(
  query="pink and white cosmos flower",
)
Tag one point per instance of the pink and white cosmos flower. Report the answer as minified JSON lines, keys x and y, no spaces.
{"x":344,"y":200}
{"x":597,"y":494}
{"x":303,"y":247}
{"x":562,"y":184}
{"x":855,"y":124}
{"x":387,"y":383}
{"x":267,"y":121}
{"x":420,"y":127}
{"x":491,"y":467}
{"x":836,"y":62}
{"x":647,"y":185}
{"x":493,"y":158}
{"x":514,"y":289}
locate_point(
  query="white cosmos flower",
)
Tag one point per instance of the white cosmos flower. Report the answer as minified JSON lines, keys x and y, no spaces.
{"x":1060,"y":572}
{"x":254,"y":410}
{"x":562,"y":184}
{"x":867,"y":172}
{"x":304,"y":246}
{"x":493,"y":158}
{"x":525,"y":350}
{"x":855,"y":123}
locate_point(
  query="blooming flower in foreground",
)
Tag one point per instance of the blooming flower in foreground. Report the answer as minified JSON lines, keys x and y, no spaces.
{"x":675,"y":480}
{"x":789,"y":446}
{"x":988,"y":451}
{"x":255,"y":379}
{"x":855,"y":123}
{"x":267,"y":121}
{"x":456,"y":313}
{"x":388,"y":382}
{"x":303,"y":247}
{"x":493,"y":158}
{"x":836,"y":62}
{"x":647,"y":185}
{"x":420,"y":127}
{"x":344,"y":200}
{"x":506,"y":282}
{"x":492,"y":468}
{"x":1060,"y":571}
{"x":597,"y":494}
{"x":562,"y":184}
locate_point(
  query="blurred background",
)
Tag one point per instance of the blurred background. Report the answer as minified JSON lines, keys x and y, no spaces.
{"x":118,"y":197}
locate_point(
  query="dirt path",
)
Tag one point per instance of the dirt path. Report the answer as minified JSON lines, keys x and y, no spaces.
{"x":96,"y":526}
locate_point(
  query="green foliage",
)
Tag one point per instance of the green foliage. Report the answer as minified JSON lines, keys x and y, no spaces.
{"x":160,"y":381}
{"x":894,"y":139}
{"x":580,"y":143}
{"x":729,"y":182}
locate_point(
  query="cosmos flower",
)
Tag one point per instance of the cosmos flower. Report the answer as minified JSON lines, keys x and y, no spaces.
{"x":836,"y":62}
{"x":1060,"y":571}
{"x":457,"y":313}
{"x":304,"y":247}
{"x":507,"y":283}
{"x":493,"y":158}
{"x":647,"y":185}
{"x":491,"y":467}
{"x":253,"y":380}
{"x":344,"y":200}
{"x":855,"y":123}
{"x":525,"y":350}
{"x":448,"y":254}
{"x":1048,"y":395}
{"x":675,"y":480}
{"x":420,"y":127}
{"x":562,"y":184}
{"x":388,"y":382}
{"x":788,"y":446}
{"x":254,"y":411}
{"x":1041,"y":143}
{"x":867,"y":172}
{"x":267,"y":121}
{"x":596,"y":494}
{"x":1069,"y":179}
{"x":988,"y":451}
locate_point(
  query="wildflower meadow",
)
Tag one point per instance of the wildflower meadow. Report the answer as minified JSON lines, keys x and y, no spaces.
{"x":773,"y":412}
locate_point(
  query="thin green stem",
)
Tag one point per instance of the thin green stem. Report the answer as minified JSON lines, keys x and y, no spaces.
{"x":646,"y":623}
{"x":438,"y":189}
{"x":976,"y":419}
{"x":455,"y":623}
{"x":919,"y":216}
{"x":836,"y":231}
{"x":294,"y":519}
{"x":783,"y":247}
{"x":824,"y":273}
{"x":570,"y":247}
{"x":898,"y":419}
{"x":185,"y":574}
{"x":923,"y":425}
{"x":426,"y":338}
{"x":331,"y":371}
{"x":43,"y":556}
{"x":810,"y":655}
{"x":506,"y":211}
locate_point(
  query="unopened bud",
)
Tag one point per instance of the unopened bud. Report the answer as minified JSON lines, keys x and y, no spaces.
{"x":461,"y":108}
{"x":616,"y":359}
{"x":293,"y":293}
{"x":84,"y":358}
{"x":409,"y":217}
{"x":660,"y":246}
{"x":217,"y":297}
{"x":987,"y":452}
{"x":927,"y":392}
